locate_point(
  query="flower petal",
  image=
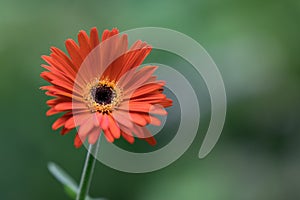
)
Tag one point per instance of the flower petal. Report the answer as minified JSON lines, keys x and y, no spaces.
{"x":61,"y":121}
{"x":78,"y":141}
{"x":73,"y":51}
{"x":85,"y":128}
{"x":108,"y":135}
{"x":114,"y":129}
{"x":128,"y":137}
{"x":94,"y":135}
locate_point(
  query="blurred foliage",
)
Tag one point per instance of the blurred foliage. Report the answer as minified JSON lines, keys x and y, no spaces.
{"x":254,"y":43}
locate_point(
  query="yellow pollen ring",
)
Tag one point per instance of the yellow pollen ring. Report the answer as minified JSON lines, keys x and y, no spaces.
{"x":102,"y":108}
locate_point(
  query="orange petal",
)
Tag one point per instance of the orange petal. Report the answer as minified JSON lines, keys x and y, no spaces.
{"x":65,"y":131}
{"x":69,"y":65}
{"x":52,"y":111}
{"x":58,"y":65}
{"x":94,"y":38}
{"x":107,"y":34}
{"x":146,"y":89}
{"x":142,"y":107}
{"x":61,"y":121}
{"x":104,"y":122}
{"x":81,"y":118}
{"x":70,"y":106}
{"x":151,"y":141}
{"x":108,"y":135}
{"x":154,"y":121}
{"x":115,"y":130}
{"x":135,"y":56}
{"x":144,"y":133}
{"x":70,"y":123}
{"x":73,"y":51}
{"x":99,"y":118}
{"x":122,"y":117}
{"x":94,"y":135}
{"x":138,"y":118}
{"x":128,"y":137}
{"x":150,"y":98}
{"x":78,"y":119}
{"x":85,"y":128}
{"x":84,"y":43}
{"x":139,"y":78}
{"x":78,"y":141}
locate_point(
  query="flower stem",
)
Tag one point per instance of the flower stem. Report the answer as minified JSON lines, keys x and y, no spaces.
{"x":87,"y":172}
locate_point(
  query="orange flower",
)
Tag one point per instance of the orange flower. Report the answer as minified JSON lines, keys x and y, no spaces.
{"x":100,"y":86}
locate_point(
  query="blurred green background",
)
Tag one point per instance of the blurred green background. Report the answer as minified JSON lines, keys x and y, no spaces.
{"x":256,"y":46}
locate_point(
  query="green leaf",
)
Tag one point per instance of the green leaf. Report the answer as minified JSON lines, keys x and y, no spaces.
{"x":70,"y":186}
{"x":67,"y":181}
{"x":71,"y":193}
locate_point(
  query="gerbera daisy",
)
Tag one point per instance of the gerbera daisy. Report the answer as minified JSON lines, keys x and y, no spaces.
{"x":100,"y":86}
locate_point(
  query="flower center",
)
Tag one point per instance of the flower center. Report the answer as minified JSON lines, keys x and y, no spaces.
{"x":104,"y":94}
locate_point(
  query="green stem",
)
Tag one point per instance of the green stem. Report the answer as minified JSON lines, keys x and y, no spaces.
{"x":87,"y":172}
